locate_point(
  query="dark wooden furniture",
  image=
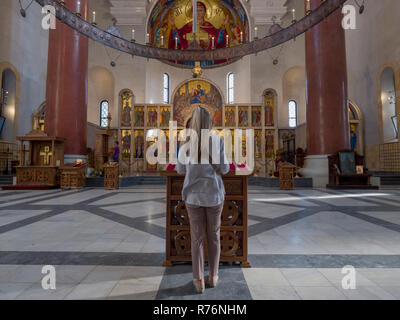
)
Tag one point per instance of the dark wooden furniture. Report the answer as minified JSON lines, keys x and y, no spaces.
{"x":300,"y":156}
{"x":233,"y":226}
{"x":73,"y":176}
{"x":343,"y":173}
{"x":46,"y":155}
{"x":101,"y":151}
{"x":111,"y":176}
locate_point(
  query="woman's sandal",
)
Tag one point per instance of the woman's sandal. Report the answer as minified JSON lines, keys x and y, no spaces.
{"x":199,"y":286}
{"x":212,"y":281}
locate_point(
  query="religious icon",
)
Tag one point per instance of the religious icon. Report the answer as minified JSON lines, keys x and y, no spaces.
{"x":269,"y":103}
{"x":269,"y":144}
{"x":165,"y":115}
{"x":126,"y":143}
{"x":196,"y":93}
{"x":353,"y":137}
{"x":217,"y":24}
{"x":257,"y":143}
{"x":139,"y":144}
{"x":230,"y":116}
{"x":126,"y":115}
{"x":139,"y":116}
{"x":152,"y":117}
{"x":126,"y":103}
{"x":256,"y":116}
{"x":205,"y":31}
{"x":243,"y":116}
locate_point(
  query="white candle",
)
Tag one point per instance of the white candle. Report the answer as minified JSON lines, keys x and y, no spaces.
{"x":162,"y":41}
{"x":176,"y":42}
{"x":227,"y":40}
{"x":133,"y":34}
{"x":94,"y":17}
{"x":241,"y":37}
{"x":294,"y":14}
{"x":78,"y":10}
{"x":255,"y":32}
{"x":308,"y":5}
{"x":147,"y":38}
{"x":194,"y":16}
{"x":213,"y":43}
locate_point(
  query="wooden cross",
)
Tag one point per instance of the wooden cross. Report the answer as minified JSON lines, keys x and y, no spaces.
{"x":46,"y":155}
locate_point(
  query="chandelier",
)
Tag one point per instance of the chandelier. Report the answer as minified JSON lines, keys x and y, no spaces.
{"x":277,"y":37}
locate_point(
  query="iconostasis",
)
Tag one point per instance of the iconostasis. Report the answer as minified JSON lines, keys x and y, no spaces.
{"x":138,"y":122}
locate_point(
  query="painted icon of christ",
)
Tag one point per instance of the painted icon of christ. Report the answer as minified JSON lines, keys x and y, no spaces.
{"x":205,"y":32}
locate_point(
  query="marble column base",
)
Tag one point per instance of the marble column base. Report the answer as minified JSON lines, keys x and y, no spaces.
{"x":69,"y":158}
{"x":317,"y":168}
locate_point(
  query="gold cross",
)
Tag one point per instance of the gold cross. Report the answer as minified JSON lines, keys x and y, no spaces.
{"x":46,"y":155}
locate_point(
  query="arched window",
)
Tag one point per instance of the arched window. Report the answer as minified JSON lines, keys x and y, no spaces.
{"x":292,"y":114}
{"x":388,"y":101}
{"x":166,"y":89}
{"x":230,"y":88}
{"x":104,"y":113}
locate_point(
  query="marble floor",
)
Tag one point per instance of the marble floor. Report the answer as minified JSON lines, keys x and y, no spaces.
{"x":110,"y":244}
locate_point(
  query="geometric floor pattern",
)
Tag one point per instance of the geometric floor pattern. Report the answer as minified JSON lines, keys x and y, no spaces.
{"x":110,"y":245}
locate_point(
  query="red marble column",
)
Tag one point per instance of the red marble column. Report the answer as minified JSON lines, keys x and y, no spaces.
{"x":327,"y":112}
{"x":66,"y":91}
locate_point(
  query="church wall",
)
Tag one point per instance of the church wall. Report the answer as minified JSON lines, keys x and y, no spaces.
{"x":24,"y":45}
{"x":101,"y":87}
{"x":264,"y":74}
{"x":374,"y":43}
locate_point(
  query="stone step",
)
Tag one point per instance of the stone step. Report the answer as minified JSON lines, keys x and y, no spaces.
{"x":390,"y":180}
{"x":274,"y":182}
{"x":6,"y":180}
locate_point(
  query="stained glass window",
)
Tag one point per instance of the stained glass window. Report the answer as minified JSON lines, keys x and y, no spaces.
{"x":104,"y":113}
{"x":166,"y":89}
{"x":230,"y":88}
{"x":292,"y":114}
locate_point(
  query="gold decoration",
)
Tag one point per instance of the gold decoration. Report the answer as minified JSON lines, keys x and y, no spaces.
{"x":197,"y":70}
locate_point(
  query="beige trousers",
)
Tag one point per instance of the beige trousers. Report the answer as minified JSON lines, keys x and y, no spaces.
{"x":202,"y":218}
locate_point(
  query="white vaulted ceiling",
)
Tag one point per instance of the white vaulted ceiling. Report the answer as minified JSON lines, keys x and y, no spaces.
{"x":265,"y":11}
{"x":129,"y":12}
{"x":134,"y":12}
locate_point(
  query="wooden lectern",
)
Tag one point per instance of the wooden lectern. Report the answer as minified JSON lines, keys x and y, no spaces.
{"x":233,"y":226}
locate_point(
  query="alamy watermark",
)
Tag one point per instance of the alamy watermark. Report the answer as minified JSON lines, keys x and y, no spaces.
{"x":349,"y":280}
{"x":49,"y":280}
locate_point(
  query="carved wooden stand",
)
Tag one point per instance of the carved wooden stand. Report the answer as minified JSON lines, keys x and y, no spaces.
{"x":233,"y":225}
{"x":286,"y":176}
{"x":111,"y":176}
{"x":73,"y":176}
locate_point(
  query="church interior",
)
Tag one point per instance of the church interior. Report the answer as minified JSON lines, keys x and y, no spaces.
{"x":317,"y":83}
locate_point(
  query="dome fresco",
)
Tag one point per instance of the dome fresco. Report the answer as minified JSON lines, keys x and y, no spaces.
{"x":220,"y":23}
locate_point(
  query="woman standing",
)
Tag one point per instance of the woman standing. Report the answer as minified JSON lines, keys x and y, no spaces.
{"x":204,"y":194}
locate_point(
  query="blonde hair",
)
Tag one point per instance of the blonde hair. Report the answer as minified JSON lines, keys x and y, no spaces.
{"x":201,"y":119}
